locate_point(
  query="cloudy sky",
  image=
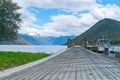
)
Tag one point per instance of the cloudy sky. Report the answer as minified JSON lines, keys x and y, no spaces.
{"x":64,"y":17}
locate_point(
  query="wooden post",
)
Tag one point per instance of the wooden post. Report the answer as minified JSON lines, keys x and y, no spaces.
{"x":69,"y":41}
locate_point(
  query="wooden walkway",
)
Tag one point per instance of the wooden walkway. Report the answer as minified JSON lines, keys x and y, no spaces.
{"x":74,"y":64}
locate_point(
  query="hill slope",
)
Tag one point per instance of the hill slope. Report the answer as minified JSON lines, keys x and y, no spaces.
{"x":106,"y":28}
{"x":19,"y":41}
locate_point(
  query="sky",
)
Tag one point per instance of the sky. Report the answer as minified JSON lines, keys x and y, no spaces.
{"x":64,"y":17}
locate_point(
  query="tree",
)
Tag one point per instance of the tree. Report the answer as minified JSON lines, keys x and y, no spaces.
{"x":9,"y":20}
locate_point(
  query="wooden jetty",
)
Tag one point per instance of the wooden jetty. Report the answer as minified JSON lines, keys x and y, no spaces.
{"x":75,"y":63}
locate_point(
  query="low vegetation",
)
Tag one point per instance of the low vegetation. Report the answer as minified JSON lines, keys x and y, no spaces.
{"x":117,"y":55}
{"x":13,"y":59}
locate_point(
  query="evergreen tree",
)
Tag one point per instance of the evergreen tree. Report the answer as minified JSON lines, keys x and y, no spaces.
{"x":9,"y":20}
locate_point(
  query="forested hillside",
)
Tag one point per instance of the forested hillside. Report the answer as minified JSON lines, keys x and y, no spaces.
{"x":106,"y":28}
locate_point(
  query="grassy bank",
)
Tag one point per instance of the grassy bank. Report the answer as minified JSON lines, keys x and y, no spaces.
{"x":13,"y":59}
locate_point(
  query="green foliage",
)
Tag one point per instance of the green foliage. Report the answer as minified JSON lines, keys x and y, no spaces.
{"x":12,"y":59}
{"x":106,"y":28}
{"x":117,"y":55}
{"x":9,"y":20}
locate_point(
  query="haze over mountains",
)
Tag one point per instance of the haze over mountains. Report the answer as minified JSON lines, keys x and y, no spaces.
{"x":105,"y":28}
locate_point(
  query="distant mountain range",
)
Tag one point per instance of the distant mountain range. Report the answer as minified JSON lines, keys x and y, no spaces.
{"x":105,"y":28}
{"x":24,"y":39}
{"x":38,"y":40}
{"x":19,"y":41}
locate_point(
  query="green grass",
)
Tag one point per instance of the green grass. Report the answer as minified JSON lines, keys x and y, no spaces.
{"x":13,"y":59}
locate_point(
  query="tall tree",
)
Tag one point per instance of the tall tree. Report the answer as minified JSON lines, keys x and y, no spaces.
{"x":9,"y":20}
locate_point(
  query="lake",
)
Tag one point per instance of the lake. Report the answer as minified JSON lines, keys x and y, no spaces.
{"x":116,"y":48}
{"x":33,"y":48}
{"x":39,"y":48}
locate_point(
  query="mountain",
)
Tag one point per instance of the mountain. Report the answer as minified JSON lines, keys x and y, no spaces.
{"x":105,"y":28}
{"x":19,"y":41}
{"x":38,"y":40}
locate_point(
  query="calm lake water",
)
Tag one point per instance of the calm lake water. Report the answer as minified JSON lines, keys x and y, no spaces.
{"x":117,"y":48}
{"x":33,"y":48}
{"x":39,"y":48}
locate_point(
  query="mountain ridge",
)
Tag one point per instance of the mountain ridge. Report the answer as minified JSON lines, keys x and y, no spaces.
{"x":47,"y":40}
{"x":105,"y":28}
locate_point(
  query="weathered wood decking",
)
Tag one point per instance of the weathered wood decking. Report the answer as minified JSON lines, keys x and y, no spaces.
{"x":74,"y":64}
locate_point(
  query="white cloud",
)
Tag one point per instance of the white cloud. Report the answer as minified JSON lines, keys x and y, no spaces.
{"x":61,"y":25}
{"x":72,"y":5}
{"x":66,"y":24}
{"x":109,"y":11}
